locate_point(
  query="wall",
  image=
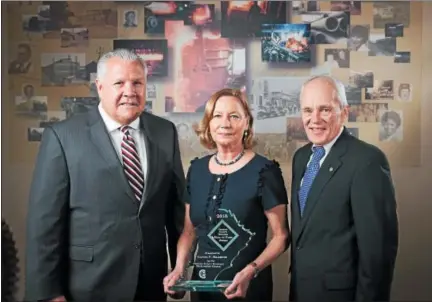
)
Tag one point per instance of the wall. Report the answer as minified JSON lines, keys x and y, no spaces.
{"x":409,"y":158}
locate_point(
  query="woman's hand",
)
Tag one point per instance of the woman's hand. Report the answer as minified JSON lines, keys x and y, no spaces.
{"x":238,"y":288}
{"x":170,"y":280}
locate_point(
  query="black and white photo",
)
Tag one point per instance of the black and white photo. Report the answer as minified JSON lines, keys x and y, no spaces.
{"x":92,"y":85}
{"x":51,"y":118}
{"x":28,"y":91}
{"x":34,"y":134}
{"x":328,"y":27}
{"x":363,"y":79}
{"x":77,"y":105}
{"x":382,"y":90}
{"x":99,"y":17}
{"x":74,"y":37}
{"x":276,"y":145}
{"x":130,"y":19}
{"x":366,"y":112}
{"x":337,"y":57}
{"x":358,"y":38}
{"x":402,"y":57}
{"x":63,"y":69}
{"x":391,"y":126}
{"x":21,"y":64}
{"x":354,"y":131}
{"x":301,"y":7}
{"x":295,"y":129}
{"x":404,"y":92}
{"x":31,"y":105}
{"x":276,"y":98}
{"x":380,"y":45}
{"x":391,"y":12}
{"x":353,"y":94}
{"x":394,"y":30}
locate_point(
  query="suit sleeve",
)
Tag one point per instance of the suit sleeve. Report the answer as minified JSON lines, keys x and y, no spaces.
{"x":47,"y":222}
{"x":376,"y":226}
{"x":175,"y":207}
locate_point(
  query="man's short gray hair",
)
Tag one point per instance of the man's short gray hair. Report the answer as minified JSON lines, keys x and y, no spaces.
{"x":121,"y":53}
{"x":339,"y":88}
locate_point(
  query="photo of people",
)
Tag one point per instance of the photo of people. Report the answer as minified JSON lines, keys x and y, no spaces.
{"x":404,"y":92}
{"x":382,"y":90}
{"x":22,"y":63}
{"x":391,"y":126}
{"x":358,"y":38}
{"x":29,"y":104}
{"x":130,"y":18}
{"x":338,"y":58}
{"x":366,"y":113}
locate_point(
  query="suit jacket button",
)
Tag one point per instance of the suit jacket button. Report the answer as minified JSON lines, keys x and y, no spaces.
{"x":298,"y":248}
{"x":137,"y":246}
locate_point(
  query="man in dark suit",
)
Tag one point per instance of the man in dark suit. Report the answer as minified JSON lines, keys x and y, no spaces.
{"x":105,"y":197}
{"x":344,"y":220}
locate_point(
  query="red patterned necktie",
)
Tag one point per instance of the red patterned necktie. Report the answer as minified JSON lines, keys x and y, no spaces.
{"x":131,"y":163}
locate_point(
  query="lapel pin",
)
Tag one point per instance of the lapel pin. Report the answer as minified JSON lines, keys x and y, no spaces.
{"x":331,"y":169}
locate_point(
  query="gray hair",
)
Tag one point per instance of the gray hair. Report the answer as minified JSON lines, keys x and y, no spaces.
{"x":339,"y":88}
{"x":121,"y":53}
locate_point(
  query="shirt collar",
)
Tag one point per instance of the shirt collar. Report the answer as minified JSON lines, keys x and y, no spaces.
{"x":330,"y":144}
{"x":113,"y":125}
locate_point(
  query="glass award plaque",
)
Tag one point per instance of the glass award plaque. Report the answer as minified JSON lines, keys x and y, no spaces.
{"x":219,"y":253}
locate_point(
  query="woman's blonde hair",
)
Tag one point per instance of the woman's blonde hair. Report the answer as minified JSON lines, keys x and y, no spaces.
{"x":202,"y":129}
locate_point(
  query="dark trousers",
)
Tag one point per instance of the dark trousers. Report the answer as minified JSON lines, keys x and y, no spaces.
{"x":149,"y":288}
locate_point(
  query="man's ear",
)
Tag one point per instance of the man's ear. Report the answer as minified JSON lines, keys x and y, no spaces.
{"x":98,"y":85}
{"x":345,"y":113}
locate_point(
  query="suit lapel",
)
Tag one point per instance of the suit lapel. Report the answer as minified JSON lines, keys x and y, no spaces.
{"x":152,"y":158}
{"x":329,"y":168}
{"x":300,"y":168}
{"x":102,"y":141}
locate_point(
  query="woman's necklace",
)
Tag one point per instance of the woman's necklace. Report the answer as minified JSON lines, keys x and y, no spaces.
{"x":236,"y":159}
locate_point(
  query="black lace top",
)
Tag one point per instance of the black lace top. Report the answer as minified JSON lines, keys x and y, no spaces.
{"x":244,"y":196}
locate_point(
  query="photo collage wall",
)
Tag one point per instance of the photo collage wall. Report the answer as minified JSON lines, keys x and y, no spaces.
{"x":267,"y":49}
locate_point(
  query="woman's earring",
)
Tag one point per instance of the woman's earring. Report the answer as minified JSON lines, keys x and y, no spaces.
{"x":245,"y":134}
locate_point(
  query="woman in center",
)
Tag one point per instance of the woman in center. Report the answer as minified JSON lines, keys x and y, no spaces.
{"x":232,"y":196}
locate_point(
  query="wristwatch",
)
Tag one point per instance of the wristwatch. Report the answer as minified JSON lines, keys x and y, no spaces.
{"x":255,"y":267}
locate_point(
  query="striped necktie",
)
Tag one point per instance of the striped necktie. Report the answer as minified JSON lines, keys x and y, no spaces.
{"x":131,"y":163}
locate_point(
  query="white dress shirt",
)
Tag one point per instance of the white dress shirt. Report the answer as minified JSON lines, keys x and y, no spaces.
{"x":327,"y":148}
{"x":116,"y":135}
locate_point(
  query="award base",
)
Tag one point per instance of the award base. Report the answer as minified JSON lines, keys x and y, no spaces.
{"x":201,"y":286}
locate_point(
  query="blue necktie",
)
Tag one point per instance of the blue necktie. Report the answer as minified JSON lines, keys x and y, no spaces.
{"x":309,"y":176}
